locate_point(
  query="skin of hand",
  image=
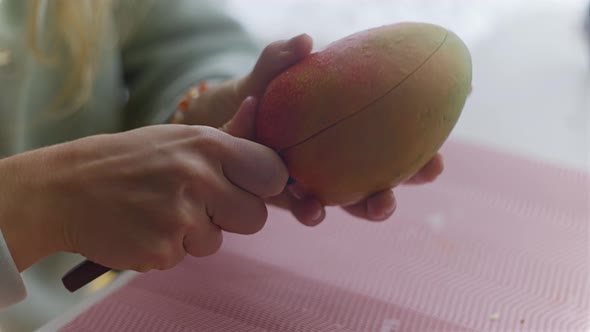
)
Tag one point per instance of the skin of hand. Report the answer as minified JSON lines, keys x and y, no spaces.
{"x":141,"y":199}
{"x":217,"y":106}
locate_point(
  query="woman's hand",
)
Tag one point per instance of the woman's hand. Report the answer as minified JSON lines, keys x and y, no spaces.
{"x":377,"y":207}
{"x":141,"y":199}
{"x":380,"y":206}
{"x":217,"y":106}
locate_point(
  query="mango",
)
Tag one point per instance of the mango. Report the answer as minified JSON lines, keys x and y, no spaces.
{"x":368,"y":111}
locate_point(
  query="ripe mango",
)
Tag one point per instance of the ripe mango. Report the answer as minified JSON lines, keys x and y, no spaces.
{"x":368,"y":111}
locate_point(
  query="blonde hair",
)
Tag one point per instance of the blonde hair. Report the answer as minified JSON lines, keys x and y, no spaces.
{"x":77,"y":27}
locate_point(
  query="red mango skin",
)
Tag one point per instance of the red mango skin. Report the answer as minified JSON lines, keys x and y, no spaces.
{"x":368,"y":111}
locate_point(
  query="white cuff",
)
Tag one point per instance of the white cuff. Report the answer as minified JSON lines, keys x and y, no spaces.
{"x":12,"y":287}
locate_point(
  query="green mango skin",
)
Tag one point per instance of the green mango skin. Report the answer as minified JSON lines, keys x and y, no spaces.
{"x":368,"y":111}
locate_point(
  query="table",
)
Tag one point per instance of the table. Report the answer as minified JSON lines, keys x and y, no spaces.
{"x":485,"y":248}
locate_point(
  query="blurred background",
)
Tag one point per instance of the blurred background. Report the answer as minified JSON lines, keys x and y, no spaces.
{"x":531,"y":62}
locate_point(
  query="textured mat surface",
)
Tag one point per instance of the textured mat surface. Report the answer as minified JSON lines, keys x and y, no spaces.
{"x":499,"y":243}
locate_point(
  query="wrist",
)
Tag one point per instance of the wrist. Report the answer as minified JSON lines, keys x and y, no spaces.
{"x":27,"y":228}
{"x":208,"y":104}
{"x":187,"y":102}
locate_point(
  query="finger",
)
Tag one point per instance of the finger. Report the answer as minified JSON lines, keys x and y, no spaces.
{"x":243,"y":123}
{"x":275,"y":58}
{"x":377,"y":207}
{"x":167,"y":255}
{"x":253,"y":167}
{"x":203,"y":238}
{"x":237,"y":211}
{"x":309,"y":212}
{"x":429,"y":172}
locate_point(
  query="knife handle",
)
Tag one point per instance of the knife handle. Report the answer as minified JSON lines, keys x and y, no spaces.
{"x":83,"y":274}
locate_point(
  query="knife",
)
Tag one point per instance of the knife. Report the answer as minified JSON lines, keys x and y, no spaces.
{"x":83,"y":274}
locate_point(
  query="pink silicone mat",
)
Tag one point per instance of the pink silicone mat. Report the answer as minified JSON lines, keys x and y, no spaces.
{"x":498,"y":243}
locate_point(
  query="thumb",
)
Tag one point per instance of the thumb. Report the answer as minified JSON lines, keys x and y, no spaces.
{"x":275,"y":58}
{"x":243,"y":124}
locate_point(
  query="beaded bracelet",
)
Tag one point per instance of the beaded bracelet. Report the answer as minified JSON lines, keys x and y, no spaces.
{"x":186,"y":100}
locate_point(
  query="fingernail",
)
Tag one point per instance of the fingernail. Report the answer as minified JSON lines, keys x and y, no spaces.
{"x":296,"y":38}
{"x":296,"y":191}
{"x":383,"y":214}
{"x":289,"y":45}
{"x":317,"y":217}
{"x":374,"y":215}
{"x":389,"y":211}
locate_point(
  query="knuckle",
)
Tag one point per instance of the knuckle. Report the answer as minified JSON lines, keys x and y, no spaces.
{"x":169,"y":262}
{"x":185,"y":131}
{"x":162,"y":256}
{"x":180,"y":214}
{"x":209,"y":247}
{"x":208,"y":144}
{"x":192,"y":174}
{"x":210,"y":140}
{"x":213,"y":248}
{"x":211,"y":148}
{"x":158,"y":260}
{"x":180,"y":166}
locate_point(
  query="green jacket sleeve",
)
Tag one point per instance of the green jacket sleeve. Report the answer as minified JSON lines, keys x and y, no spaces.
{"x":172,"y":45}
